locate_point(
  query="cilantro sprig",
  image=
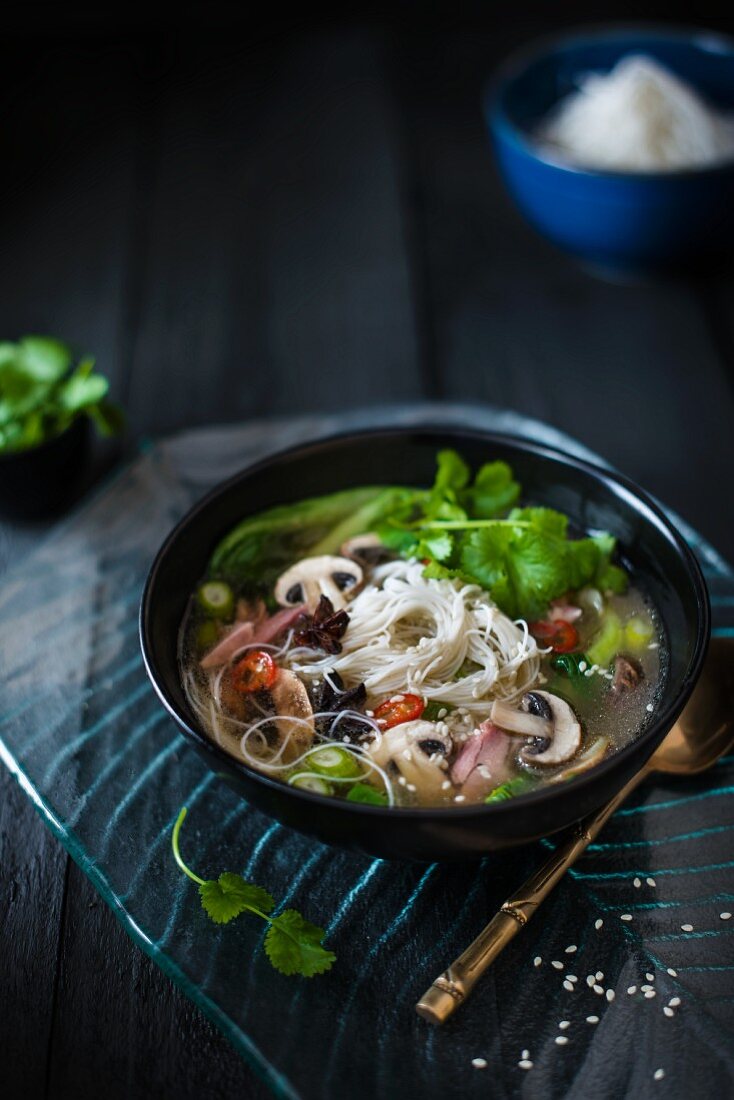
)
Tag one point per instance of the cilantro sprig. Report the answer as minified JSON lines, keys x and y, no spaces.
{"x":524,"y":557}
{"x":42,"y":392}
{"x":292,"y":944}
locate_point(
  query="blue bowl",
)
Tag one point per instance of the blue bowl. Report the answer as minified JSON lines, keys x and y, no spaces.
{"x":613,"y":219}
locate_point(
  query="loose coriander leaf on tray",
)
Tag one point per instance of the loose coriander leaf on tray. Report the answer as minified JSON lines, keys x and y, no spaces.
{"x":229,"y":895}
{"x":294,"y":946}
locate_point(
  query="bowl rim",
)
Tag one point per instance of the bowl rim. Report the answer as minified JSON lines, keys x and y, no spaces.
{"x":514,"y":65}
{"x":547,"y":794}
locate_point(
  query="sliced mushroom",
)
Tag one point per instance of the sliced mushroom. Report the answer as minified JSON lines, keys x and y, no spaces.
{"x":367,"y":549}
{"x":294,"y":721}
{"x":311,"y":578}
{"x":588,"y":759}
{"x":565,"y":735}
{"x":534,"y":719}
{"x":417,"y":749}
{"x":627,"y":675}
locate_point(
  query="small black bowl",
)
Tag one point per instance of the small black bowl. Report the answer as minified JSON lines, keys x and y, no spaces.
{"x":41,"y":481}
{"x":593,"y":497}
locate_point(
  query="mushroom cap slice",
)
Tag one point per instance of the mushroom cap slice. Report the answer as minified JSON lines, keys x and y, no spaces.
{"x":402,"y":746}
{"x":294,"y":721}
{"x":311,"y":578}
{"x":369,"y":550}
{"x":565,"y":737}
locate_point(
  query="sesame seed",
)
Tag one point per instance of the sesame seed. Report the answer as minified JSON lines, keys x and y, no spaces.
{"x":687,"y":927}
{"x":442,"y":713}
{"x":658,"y":1074}
{"x":590,"y":980}
{"x":674,"y":1002}
{"x":402,"y":780}
{"x":525,"y":1054}
{"x":479,"y":1063}
{"x":571,"y":978}
{"x":649,"y":708}
{"x":411,"y":787}
{"x":626,"y":916}
{"x":446,"y":785}
{"x":610,"y":994}
{"x":561,"y":1040}
{"x":673,"y":973}
{"x":583,"y":666}
{"x":637,"y":883}
{"x":649,"y":993}
{"x":525,"y":1063}
{"x":563,"y":1024}
{"x":645,"y":988}
{"x":569,"y":986}
{"x":650,"y":977}
{"x":571,"y":948}
{"x":668,"y":1011}
{"x":537,"y":960}
{"x":557,"y":965}
{"x":599,"y":975}
{"x":598,"y":989}
{"x":632,"y":989}
{"x":598,"y":923}
{"x":459,"y":798}
{"x":650,"y":882}
{"x":592,"y":1019}
{"x":725,"y":916}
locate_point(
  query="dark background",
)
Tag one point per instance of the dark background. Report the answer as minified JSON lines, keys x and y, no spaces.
{"x":243,"y":214}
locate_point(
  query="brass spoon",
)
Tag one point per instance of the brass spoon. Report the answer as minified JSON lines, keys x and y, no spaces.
{"x":702,"y":734}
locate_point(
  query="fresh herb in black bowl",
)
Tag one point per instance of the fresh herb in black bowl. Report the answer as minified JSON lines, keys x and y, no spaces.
{"x":47,"y":401}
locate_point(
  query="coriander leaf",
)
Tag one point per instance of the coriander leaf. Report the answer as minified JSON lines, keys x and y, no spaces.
{"x":293,"y":945}
{"x":108,"y":418}
{"x":434,"y":571}
{"x":544,"y":520}
{"x":230,"y":895}
{"x":396,"y":538}
{"x":484,"y":556}
{"x":438,"y":545}
{"x":494,"y":490}
{"x":44,"y":358}
{"x":452,"y":472}
{"x":81,"y":390}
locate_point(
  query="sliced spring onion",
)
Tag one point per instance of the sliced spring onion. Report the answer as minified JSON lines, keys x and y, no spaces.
{"x":207,"y":635}
{"x":370,"y":796}
{"x":313,"y":783}
{"x":513,"y":787}
{"x":334,"y":761}
{"x":217,"y":598}
{"x":638,"y":632}
{"x":608,"y":641}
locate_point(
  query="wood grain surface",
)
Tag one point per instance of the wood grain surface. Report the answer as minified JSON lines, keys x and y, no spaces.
{"x":244,"y":224}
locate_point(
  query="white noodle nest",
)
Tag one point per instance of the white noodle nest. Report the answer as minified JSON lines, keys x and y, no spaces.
{"x":410,"y":634}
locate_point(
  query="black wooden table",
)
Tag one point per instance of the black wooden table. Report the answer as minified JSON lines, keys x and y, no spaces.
{"x":247,"y":222}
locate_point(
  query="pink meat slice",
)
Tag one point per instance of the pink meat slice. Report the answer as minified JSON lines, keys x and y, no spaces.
{"x":488,"y":749}
{"x":561,"y":609}
{"x":243,"y":634}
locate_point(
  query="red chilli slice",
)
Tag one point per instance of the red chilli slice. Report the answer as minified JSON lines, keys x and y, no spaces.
{"x":256,"y":671}
{"x":399,"y":709}
{"x":561,"y":636}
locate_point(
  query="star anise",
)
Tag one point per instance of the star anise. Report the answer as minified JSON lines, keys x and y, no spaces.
{"x":324,"y":628}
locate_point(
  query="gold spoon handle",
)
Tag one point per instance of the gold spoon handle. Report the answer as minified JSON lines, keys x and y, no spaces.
{"x":451,"y":989}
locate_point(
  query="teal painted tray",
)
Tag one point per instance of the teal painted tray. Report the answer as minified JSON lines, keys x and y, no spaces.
{"x":107,"y":771}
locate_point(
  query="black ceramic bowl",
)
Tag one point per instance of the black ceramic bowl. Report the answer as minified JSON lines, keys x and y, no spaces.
{"x":592,"y":497}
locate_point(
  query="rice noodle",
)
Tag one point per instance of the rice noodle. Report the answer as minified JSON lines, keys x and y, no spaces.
{"x":408,"y":633}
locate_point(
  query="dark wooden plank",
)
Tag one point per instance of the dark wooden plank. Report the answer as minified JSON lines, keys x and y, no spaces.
{"x":630,"y":368}
{"x":275,"y":277}
{"x":123,"y":1027}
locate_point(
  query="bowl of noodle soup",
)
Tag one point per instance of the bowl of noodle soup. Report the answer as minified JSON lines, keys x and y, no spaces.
{"x":351,"y":657}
